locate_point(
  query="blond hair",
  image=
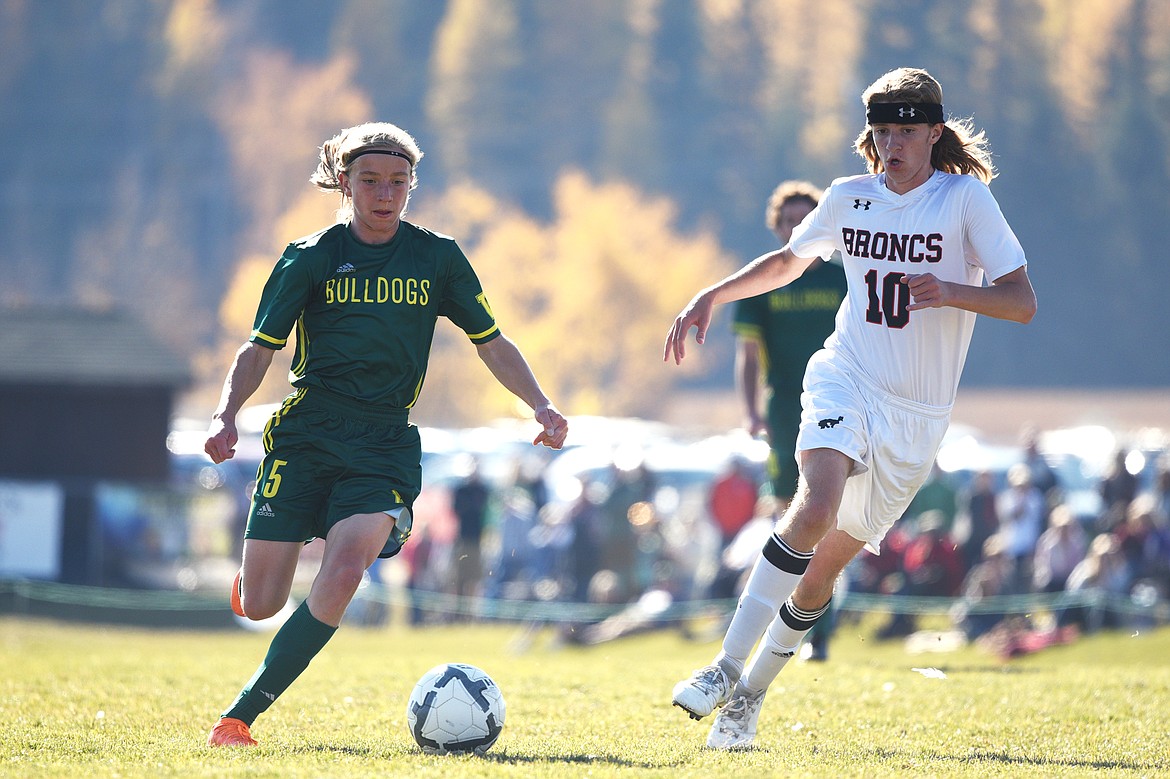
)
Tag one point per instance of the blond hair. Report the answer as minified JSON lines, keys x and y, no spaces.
{"x":960,"y":149}
{"x":786,"y":192}
{"x":337,"y":154}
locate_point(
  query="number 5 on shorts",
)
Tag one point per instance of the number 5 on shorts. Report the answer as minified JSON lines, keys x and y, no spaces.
{"x":272,"y":483}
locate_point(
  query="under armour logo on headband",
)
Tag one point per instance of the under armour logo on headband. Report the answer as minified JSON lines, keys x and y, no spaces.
{"x":904,"y":113}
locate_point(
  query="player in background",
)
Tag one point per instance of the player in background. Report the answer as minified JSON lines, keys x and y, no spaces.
{"x":342,"y":462}
{"x":776,"y":334}
{"x":918,"y":235}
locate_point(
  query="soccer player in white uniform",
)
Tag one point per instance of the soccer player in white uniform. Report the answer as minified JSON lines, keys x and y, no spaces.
{"x":918,"y":234}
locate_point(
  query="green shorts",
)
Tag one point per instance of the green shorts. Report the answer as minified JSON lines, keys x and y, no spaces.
{"x":328,"y":458}
{"x":783,"y":425}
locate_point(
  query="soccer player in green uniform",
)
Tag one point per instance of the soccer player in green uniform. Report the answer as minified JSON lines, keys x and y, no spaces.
{"x":778,"y":332}
{"x":342,"y":462}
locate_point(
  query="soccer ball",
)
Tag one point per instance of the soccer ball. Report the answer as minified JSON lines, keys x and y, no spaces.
{"x":455,"y":707}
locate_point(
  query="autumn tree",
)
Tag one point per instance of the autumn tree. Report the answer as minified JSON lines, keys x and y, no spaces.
{"x":476,"y":103}
{"x":588,"y":296}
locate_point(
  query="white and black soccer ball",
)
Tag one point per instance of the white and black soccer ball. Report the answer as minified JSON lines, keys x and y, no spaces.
{"x":455,"y":707}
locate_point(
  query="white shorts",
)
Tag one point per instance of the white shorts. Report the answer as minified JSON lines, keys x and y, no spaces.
{"x":892,"y":441}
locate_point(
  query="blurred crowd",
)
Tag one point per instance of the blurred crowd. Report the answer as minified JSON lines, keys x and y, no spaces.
{"x":624,"y":539}
{"x":511,"y":541}
{"x":986,"y":540}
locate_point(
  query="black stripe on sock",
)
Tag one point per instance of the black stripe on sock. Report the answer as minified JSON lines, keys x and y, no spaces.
{"x":799,"y":619}
{"x":785,"y":557}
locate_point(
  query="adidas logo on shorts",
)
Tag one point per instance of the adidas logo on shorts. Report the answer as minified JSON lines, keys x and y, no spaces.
{"x":265,"y":511}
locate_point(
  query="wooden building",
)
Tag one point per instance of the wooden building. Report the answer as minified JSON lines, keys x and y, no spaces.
{"x":84,"y":395}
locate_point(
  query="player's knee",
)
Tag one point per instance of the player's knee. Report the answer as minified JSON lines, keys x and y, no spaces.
{"x":341,"y":579}
{"x":258,"y":606}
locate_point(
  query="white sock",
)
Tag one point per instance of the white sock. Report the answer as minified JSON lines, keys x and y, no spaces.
{"x":780,"y":643}
{"x":776,"y":573}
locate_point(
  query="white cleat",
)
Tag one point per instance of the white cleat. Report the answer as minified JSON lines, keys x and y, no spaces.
{"x":735,"y":727}
{"x":706,"y":690}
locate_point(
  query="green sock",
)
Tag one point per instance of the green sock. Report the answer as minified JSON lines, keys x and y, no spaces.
{"x":296,"y":643}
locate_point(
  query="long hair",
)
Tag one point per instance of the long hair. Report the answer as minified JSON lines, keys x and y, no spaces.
{"x":335,"y":156}
{"x":960,"y":149}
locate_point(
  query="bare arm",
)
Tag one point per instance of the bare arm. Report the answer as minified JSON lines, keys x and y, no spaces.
{"x":761,"y":275}
{"x":1009,"y":297}
{"x":243,"y":379}
{"x":508,"y":365}
{"x":747,"y":378}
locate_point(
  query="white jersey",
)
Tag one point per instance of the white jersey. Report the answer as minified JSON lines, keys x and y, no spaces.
{"x":950,"y":226}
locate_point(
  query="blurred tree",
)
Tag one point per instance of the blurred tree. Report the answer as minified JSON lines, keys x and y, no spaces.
{"x":731,"y":70}
{"x":573,"y":59}
{"x":631,"y":141}
{"x":810,"y":93}
{"x":588,"y":297}
{"x":275,"y":117}
{"x":476,"y":103}
{"x":153,"y":146}
{"x":392,"y":42}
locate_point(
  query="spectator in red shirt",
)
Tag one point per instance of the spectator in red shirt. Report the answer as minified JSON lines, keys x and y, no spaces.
{"x":733,"y":499}
{"x":932,"y":565}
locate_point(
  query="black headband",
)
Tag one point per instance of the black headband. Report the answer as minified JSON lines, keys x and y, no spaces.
{"x":353,"y":155}
{"x":904,"y":113}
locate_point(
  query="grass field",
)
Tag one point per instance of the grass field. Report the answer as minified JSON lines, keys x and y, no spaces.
{"x":84,"y":700}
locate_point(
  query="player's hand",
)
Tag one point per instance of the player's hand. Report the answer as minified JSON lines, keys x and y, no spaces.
{"x":556,"y":427}
{"x":697,"y":314}
{"x":926,"y":291}
{"x":757,"y":427}
{"x":221,"y":440}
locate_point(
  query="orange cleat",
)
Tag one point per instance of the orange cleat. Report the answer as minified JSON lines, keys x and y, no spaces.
{"x":230,"y":732}
{"x":237,"y":595}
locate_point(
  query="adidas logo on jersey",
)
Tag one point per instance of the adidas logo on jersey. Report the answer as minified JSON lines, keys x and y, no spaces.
{"x":265,"y":511}
{"x":346,"y":268}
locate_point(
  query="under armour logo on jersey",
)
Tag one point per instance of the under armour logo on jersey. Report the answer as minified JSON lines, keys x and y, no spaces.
{"x":346,"y":268}
{"x":825,"y":424}
{"x":906,"y":111}
{"x":857,"y":203}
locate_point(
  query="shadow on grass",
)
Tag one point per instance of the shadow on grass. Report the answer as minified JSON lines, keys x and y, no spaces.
{"x":1158,"y":767}
{"x":501,"y":757}
{"x":505,"y":758}
{"x":1150,"y":767}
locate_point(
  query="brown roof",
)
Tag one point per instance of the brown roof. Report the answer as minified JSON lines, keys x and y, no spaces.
{"x":84,"y":346}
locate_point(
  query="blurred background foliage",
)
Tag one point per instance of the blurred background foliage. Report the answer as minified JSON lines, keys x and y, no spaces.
{"x":598,"y":160}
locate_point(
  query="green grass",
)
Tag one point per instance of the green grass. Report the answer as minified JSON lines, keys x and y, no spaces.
{"x":86,"y":700}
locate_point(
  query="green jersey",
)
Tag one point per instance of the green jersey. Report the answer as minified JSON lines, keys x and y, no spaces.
{"x":792,"y":322}
{"x":365,"y":315}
